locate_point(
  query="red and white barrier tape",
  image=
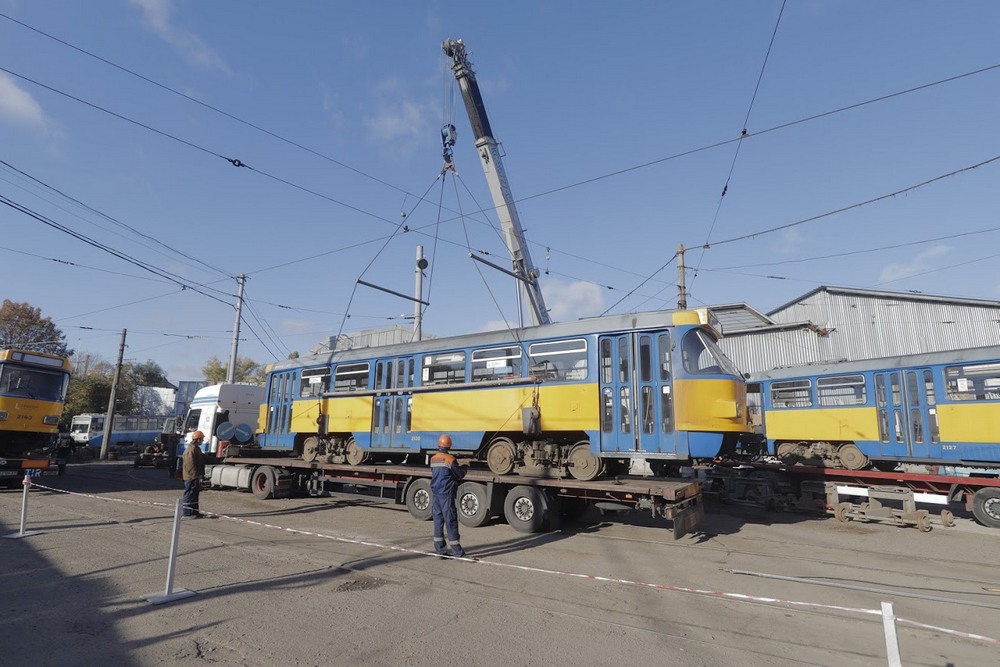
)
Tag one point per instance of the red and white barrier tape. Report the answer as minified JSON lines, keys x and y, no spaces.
{"x":527,"y":568}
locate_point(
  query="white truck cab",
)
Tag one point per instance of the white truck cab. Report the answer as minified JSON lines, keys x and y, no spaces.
{"x":224,"y":413}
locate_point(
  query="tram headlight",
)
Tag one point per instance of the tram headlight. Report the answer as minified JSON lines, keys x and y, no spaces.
{"x":50,"y":420}
{"x":3,"y":416}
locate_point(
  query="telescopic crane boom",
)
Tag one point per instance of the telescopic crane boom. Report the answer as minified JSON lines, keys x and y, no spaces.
{"x":496,"y":177}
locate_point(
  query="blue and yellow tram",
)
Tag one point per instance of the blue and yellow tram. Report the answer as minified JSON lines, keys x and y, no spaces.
{"x":940,"y":407}
{"x":580,"y":398}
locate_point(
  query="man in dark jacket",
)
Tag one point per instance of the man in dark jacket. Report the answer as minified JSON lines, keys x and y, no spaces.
{"x":445,"y":476}
{"x":194,"y":470}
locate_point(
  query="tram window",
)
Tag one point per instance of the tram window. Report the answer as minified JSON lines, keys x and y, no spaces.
{"x":975,"y":382}
{"x":315,"y":381}
{"x":663,"y":347}
{"x":916,"y":426}
{"x":606,"y":361}
{"x":929,"y":387}
{"x":496,"y":363}
{"x":897,"y":394}
{"x":645,"y":359}
{"x":912,"y":395}
{"x":702,"y":355}
{"x":648,"y":410}
{"x":880,"y":398}
{"x":607,"y":410}
{"x":626,"y":410}
{"x":666,"y":409}
{"x":559,"y":360}
{"x":791,"y":394}
{"x":446,"y":368}
{"x":898,"y":421}
{"x":841,"y":390}
{"x":623,"y":362}
{"x":883,"y":426}
{"x":351,"y":377}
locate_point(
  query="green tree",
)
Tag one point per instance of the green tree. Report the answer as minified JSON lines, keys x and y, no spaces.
{"x":247,"y":370}
{"x":148,"y":373}
{"x":87,"y":394}
{"x":22,"y":326}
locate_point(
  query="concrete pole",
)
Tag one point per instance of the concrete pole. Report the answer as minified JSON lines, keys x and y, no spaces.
{"x":109,"y":419}
{"x":231,"y":373}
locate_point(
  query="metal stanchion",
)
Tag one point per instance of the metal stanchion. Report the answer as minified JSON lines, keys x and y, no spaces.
{"x":169,"y":595}
{"x":24,"y":512}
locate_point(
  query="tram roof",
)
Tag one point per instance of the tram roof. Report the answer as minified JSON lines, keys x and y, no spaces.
{"x":966,"y":355}
{"x":608,"y":323}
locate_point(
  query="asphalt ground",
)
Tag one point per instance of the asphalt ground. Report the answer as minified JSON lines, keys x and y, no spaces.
{"x":349,"y":580}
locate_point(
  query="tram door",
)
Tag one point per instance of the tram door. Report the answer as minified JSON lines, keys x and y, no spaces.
{"x":907,"y":413}
{"x":636,"y":393}
{"x":391,"y":410}
{"x":279,"y":410}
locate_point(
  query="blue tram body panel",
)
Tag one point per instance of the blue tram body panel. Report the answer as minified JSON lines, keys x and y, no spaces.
{"x":928,"y":408}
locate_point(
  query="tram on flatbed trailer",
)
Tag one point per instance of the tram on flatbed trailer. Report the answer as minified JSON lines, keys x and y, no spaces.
{"x":528,"y":504}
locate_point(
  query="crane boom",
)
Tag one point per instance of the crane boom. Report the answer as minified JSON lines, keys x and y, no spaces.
{"x":496,"y":177}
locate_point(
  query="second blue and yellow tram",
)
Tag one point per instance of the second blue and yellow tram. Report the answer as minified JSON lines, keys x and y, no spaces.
{"x":939,"y":407}
{"x":580,"y":398}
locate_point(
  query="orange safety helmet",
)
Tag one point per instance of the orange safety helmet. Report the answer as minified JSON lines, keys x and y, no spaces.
{"x":197,"y":435}
{"x":444,"y":442}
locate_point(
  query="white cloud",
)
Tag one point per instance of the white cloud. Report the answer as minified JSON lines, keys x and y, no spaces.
{"x":398,"y":120}
{"x":920,"y":263}
{"x":568,"y":301}
{"x":156,"y":17}
{"x":789,"y":241}
{"x":18,"y":107}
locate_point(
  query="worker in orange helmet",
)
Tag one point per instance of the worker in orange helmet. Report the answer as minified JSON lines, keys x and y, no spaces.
{"x":194,"y":470}
{"x":446,"y":473}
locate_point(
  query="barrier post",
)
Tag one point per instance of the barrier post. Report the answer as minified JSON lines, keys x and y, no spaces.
{"x":24,"y":511}
{"x":891,"y":641}
{"x":169,"y":594}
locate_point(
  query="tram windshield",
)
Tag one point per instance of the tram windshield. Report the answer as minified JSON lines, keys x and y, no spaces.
{"x":30,"y":383}
{"x":702,"y":355}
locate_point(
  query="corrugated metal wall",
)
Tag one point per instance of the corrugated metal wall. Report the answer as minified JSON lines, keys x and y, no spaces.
{"x":863,"y":326}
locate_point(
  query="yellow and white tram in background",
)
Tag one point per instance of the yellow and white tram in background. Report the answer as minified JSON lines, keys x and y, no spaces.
{"x":578,"y":398}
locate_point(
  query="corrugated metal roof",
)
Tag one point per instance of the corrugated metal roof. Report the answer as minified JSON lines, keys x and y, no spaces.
{"x":883,"y":294}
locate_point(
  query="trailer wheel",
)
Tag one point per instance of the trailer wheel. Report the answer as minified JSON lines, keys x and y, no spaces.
{"x":525,"y":509}
{"x":473,"y":508}
{"x":418,"y":499}
{"x":264,"y":482}
{"x":986,"y":506}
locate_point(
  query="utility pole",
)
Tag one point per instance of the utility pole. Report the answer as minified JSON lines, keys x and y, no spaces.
{"x":231,"y":373}
{"x":418,"y":293}
{"x":109,"y":419}
{"x":682,"y":301}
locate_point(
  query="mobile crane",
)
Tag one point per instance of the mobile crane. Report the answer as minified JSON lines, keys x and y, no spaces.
{"x":489,"y":153}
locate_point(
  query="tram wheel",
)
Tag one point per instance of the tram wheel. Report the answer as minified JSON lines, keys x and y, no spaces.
{"x":310,"y":449}
{"x":500,"y":456}
{"x":355,"y":455}
{"x":583,"y":464}
{"x":851,"y":457}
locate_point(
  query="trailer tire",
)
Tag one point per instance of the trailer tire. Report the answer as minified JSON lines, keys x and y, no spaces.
{"x":986,"y":506}
{"x":264,"y":482}
{"x":418,"y":499}
{"x":472,"y":507}
{"x":525,"y":509}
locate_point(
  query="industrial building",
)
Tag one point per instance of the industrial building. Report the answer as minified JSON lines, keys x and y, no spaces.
{"x":841,"y":323}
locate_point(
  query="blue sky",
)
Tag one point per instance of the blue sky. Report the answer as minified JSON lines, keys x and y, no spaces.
{"x":618,"y":121}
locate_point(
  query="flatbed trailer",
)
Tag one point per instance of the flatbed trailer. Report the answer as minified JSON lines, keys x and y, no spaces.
{"x":801,"y":487}
{"x":529,"y":504}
